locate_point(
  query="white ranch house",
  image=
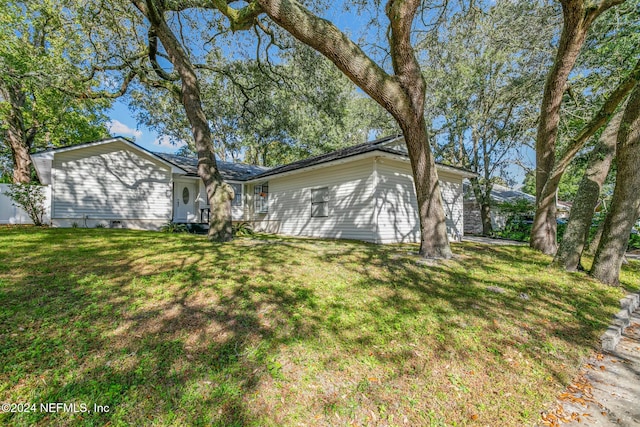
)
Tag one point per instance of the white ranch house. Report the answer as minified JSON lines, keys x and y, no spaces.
{"x":363,"y":192}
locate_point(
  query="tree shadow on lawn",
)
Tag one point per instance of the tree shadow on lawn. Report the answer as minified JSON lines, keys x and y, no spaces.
{"x":100,"y":335}
{"x":193,"y":332}
{"x":566,"y":311}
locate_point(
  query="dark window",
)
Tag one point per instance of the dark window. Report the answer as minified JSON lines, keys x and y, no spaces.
{"x":185,"y":195}
{"x":261,"y":193}
{"x":320,"y":202}
{"x":237,"y":199}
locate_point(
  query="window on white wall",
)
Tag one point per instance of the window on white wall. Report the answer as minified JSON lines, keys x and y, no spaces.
{"x":320,"y":202}
{"x":261,"y":196}
{"x":237,"y":199}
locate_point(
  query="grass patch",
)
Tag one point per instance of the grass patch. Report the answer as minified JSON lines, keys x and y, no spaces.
{"x":169,"y":329}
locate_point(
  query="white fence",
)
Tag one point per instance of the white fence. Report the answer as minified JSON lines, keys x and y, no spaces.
{"x":11,"y":214}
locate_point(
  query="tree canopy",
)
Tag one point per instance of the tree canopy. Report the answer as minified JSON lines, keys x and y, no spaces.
{"x":45,"y":82}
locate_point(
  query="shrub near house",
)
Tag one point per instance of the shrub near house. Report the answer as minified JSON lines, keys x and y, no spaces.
{"x":32,"y":198}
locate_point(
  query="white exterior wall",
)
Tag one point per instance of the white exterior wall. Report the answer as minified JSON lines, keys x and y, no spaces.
{"x":102,"y":183}
{"x":350,"y":203}
{"x":237,"y":212}
{"x":396,"y":209}
{"x":12,"y":214}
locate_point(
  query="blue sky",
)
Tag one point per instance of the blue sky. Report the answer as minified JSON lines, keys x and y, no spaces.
{"x":124,"y":123}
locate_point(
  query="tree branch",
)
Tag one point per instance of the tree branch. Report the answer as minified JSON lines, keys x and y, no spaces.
{"x":600,"y":118}
{"x":111,"y":95}
{"x":153,"y":50}
{"x":327,"y":39}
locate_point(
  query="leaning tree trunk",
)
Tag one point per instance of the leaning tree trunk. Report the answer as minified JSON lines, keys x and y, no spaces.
{"x":625,"y":206}
{"x":17,"y":137}
{"x":401,"y":94}
{"x":592,"y":246}
{"x":20,"y":156}
{"x":577,"y":232}
{"x":219,"y":193}
{"x":574,"y":31}
{"x":578,"y":16}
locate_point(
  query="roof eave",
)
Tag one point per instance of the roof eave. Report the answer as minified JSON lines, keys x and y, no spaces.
{"x":51,"y":152}
{"x":374,"y":152}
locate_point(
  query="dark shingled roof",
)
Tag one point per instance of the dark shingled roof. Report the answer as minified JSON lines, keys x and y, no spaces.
{"x":245,"y":172}
{"x":229,"y":171}
{"x":377,"y":145}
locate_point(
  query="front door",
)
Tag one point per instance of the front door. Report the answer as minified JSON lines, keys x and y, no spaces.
{"x":184,"y":202}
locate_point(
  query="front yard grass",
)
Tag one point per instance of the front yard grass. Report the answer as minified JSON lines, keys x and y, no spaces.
{"x":169,"y":329}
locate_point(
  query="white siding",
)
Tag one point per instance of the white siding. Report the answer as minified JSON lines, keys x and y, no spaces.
{"x":12,"y":214}
{"x":237,"y":212}
{"x":350,"y":202}
{"x":110,"y":182}
{"x":396,"y":209}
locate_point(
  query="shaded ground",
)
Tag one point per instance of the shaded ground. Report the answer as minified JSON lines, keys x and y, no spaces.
{"x":174,"y":330}
{"x":607,"y":391}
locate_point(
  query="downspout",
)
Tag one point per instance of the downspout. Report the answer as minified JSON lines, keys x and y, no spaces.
{"x":172,"y":197}
{"x":51,"y":193}
{"x":376,"y":227}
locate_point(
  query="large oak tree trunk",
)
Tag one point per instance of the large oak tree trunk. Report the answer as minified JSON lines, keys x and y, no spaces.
{"x":433,"y":239}
{"x":485,"y":216}
{"x":574,"y":31}
{"x":482,"y":194}
{"x":17,"y":137}
{"x":625,"y":206}
{"x":219,"y":193}
{"x":577,"y":232}
{"x":402,"y":94}
{"x":20,"y":156}
{"x":578,"y":16}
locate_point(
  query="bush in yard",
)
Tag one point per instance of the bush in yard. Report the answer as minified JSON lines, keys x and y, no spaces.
{"x":31,"y":198}
{"x":634,"y":241}
{"x":242,"y":229}
{"x":519,"y":219}
{"x":172,"y":227}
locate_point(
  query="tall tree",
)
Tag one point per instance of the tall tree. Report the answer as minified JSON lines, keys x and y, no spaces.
{"x":219,"y":193}
{"x":578,"y":16}
{"x":44,"y":94}
{"x":401,"y":93}
{"x":269,"y":114}
{"x":489,"y":64}
{"x":625,"y":206}
{"x":577,"y":232}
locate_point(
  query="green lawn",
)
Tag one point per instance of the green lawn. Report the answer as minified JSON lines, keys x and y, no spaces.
{"x":173,"y":330}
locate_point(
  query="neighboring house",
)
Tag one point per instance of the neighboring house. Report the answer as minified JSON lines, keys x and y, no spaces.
{"x":363,"y":192}
{"x":499,"y":194}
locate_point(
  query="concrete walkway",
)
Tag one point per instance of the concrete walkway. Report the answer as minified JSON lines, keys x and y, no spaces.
{"x":607,"y":391}
{"x":492,"y":241}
